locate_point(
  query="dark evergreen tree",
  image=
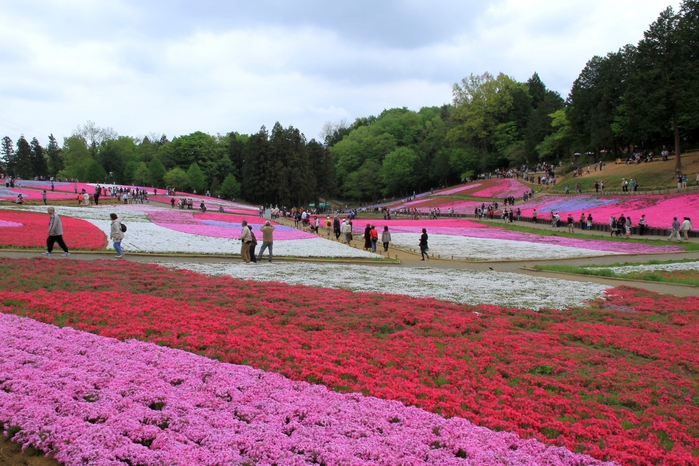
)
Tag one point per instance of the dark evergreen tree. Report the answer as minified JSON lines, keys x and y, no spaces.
{"x":8,"y":156}
{"x":23,"y":156}
{"x":39,"y":164}
{"x":256,"y":186}
{"x":655,"y":95}
{"x":53,"y":152}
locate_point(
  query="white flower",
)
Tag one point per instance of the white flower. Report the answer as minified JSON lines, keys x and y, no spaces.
{"x":463,"y":247}
{"x":456,"y":285}
{"x":670,"y":267}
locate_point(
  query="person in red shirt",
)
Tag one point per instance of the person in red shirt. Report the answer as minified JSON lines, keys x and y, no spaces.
{"x":374,"y":235}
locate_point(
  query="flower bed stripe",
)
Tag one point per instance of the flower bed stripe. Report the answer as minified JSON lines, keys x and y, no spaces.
{"x":90,"y":399}
{"x":615,"y":379}
{"x":32,"y":231}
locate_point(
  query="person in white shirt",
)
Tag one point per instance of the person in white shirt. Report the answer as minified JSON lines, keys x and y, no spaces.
{"x":686,"y":226}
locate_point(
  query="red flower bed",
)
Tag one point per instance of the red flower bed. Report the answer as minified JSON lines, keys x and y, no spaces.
{"x":616,"y":379}
{"x":78,"y":234}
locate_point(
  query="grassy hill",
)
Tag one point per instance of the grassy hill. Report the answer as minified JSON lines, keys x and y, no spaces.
{"x":651,"y":176}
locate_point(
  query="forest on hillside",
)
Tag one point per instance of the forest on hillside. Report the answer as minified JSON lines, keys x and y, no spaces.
{"x":643,"y":97}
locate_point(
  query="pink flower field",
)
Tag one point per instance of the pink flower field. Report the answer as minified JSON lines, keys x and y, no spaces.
{"x":659,"y":209}
{"x":219,"y":225}
{"x":95,"y":400}
{"x":467,"y":228}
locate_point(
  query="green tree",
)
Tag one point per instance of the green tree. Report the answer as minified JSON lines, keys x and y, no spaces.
{"x":176,"y":178}
{"x":230,"y":188}
{"x":53,"y":152}
{"x":559,"y":141}
{"x":215,"y":187}
{"x":94,"y":173}
{"x":398,"y":170}
{"x":76,"y":158}
{"x":24,"y":159}
{"x":255,"y":180}
{"x":8,"y":155}
{"x":655,"y":94}
{"x":157,"y":172}
{"x":196,"y":179}
{"x":129,"y":172}
{"x":115,"y":155}
{"x":142,"y":176}
{"x":39,"y":165}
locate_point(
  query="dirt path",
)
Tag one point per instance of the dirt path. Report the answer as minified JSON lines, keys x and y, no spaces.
{"x":11,"y":454}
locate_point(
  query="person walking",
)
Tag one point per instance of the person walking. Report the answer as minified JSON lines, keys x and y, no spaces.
{"x":374,"y":235}
{"x":571,"y":224}
{"x":253,"y":245}
{"x":642,"y":224}
{"x":347,"y":231}
{"x":424,"y":246}
{"x":116,"y":235}
{"x":245,"y":241}
{"x":43,"y":196}
{"x":336,"y":227}
{"x":686,"y":226}
{"x":675,"y":229}
{"x":55,"y":234}
{"x":367,"y":237}
{"x":628,"y":226}
{"x":385,"y":238}
{"x":267,"y":240}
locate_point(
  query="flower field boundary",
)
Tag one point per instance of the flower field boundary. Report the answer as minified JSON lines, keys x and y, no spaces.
{"x":620,"y":279}
{"x":349,"y":260}
{"x":96,"y":400}
{"x":615,"y":379}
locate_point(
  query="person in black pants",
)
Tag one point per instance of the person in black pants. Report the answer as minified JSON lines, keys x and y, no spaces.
{"x":423,"y":244}
{"x":55,"y":234}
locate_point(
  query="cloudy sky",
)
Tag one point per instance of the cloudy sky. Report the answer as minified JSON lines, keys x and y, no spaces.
{"x":177,"y":66}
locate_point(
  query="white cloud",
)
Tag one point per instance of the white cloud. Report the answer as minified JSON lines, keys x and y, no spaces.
{"x":179,"y":67}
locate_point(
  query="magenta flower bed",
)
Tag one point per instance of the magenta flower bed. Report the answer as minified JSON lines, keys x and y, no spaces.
{"x":659,"y":210}
{"x":459,"y":227}
{"x":34,"y":195}
{"x":416,"y":226}
{"x":209,"y":201}
{"x":65,"y":187}
{"x":458,"y":189}
{"x":94,"y":400}
{"x":502,"y":188}
{"x":219,"y":225}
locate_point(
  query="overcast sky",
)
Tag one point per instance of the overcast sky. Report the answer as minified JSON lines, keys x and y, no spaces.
{"x":178,"y":66}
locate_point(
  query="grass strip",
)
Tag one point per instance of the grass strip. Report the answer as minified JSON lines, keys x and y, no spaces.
{"x":682,"y":277}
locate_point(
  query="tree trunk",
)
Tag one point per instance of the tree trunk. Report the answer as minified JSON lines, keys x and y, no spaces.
{"x":678,"y":159}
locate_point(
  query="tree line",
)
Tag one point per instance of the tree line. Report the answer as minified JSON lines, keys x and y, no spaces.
{"x":644,"y":96}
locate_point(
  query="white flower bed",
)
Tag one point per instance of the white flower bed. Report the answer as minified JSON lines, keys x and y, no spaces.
{"x":464,"y":247}
{"x":456,"y":285}
{"x":144,"y":236}
{"x":650,"y":267}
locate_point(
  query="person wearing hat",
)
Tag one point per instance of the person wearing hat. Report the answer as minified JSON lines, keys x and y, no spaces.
{"x":267,"y":239}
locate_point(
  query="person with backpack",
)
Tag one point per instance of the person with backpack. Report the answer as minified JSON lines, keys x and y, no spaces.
{"x":117,"y":234}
